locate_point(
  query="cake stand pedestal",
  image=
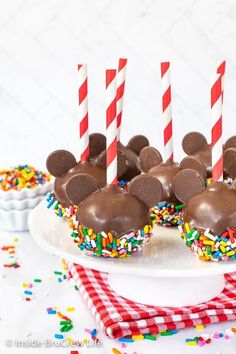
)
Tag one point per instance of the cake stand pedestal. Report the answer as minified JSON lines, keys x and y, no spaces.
{"x":165,"y":273}
{"x":170,"y":291}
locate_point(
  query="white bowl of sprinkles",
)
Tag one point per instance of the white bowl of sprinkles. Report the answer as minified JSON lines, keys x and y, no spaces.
{"x":21,"y":189}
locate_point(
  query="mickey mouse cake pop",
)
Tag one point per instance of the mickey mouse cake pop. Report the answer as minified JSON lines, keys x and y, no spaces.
{"x":167,"y":212}
{"x":130,"y":153}
{"x":62,"y":164}
{"x":132,"y":150}
{"x":209,"y":217}
{"x":199,"y":153}
{"x":112,"y":222}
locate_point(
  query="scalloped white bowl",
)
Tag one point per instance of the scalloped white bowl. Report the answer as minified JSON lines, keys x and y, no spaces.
{"x":20,"y":204}
{"x":14,"y":220}
{"x":15,"y":206}
{"x":27,"y":193}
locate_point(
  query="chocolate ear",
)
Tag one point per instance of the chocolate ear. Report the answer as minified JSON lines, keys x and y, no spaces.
{"x":234,"y":184}
{"x":60,"y":162}
{"x":187,"y":183}
{"x":193,"y":163}
{"x":146,"y":188}
{"x":97,"y":143}
{"x":193,"y":142}
{"x":137,"y":143}
{"x":231,"y":142}
{"x":80,"y":187}
{"x":149,"y":157}
{"x":229,"y":160}
{"x":121,"y":162}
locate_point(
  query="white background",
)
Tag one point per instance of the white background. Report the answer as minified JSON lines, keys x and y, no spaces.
{"x":42,"y":41}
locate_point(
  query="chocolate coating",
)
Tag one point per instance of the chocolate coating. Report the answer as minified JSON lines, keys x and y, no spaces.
{"x":195,"y":145}
{"x":121,"y":162}
{"x":191,"y":162}
{"x":112,"y":209}
{"x":60,"y":162}
{"x":131,"y":168}
{"x":165,"y":172}
{"x":229,"y":159}
{"x":86,"y":167}
{"x":214,"y":208}
{"x":194,"y":142}
{"x":187,"y":183}
{"x":205,"y":157}
{"x":147,"y":188}
{"x":80,"y":187}
{"x":149,"y":157}
{"x":132,"y":163}
{"x":137,"y":143}
{"x":97,"y":143}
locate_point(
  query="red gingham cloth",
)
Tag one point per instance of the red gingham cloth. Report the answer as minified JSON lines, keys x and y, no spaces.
{"x":120,"y":317}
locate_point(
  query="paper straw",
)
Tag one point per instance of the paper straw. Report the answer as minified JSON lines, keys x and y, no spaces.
{"x":216,"y":129}
{"x":221,"y":71}
{"x":166,"y":108}
{"x":111,"y":127}
{"x":121,"y":74}
{"x":83,"y":112}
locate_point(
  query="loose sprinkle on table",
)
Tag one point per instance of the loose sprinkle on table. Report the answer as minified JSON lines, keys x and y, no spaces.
{"x":58,"y":336}
{"x":11,"y":252}
{"x":70,"y":309}
{"x":37,"y":280}
{"x":200,"y":326}
{"x":115,"y":351}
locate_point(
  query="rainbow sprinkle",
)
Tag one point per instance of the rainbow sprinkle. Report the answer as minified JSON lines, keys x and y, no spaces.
{"x":208,"y":246}
{"x":204,"y":339}
{"x":61,"y":211}
{"x":107,"y":245}
{"x":167,"y":214}
{"x":22,"y":176}
{"x":70,"y":212}
{"x":11,"y":252}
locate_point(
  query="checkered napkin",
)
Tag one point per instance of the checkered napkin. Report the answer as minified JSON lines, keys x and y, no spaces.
{"x":120,"y":317}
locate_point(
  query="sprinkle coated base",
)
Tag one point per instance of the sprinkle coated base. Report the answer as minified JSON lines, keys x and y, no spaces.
{"x":67,"y":213}
{"x":208,"y":246}
{"x":106,"y":245}
{"x":167,"y":214}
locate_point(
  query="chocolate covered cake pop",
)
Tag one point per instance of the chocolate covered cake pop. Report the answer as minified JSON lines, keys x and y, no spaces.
{"x":131,"y":154}
{"x":167,"y":212}
{"x":63,"y":165}
{"x":199,"y":153}
{"x":113,"y":222}
{"x":209,"y":218}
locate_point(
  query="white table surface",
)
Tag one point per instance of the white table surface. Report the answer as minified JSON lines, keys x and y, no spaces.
{"x":21,"y":320}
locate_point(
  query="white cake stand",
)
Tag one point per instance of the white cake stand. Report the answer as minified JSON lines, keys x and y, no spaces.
{"x":164,"y":274}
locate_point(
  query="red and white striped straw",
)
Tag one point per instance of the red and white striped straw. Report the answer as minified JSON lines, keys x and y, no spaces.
{"x":166,"y":108}
{"x":111,"y":127}
{"x":83,"y":112}
{"x":216,"y":129}
{"x":221,"y":71}
{"x":121,"y":74}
